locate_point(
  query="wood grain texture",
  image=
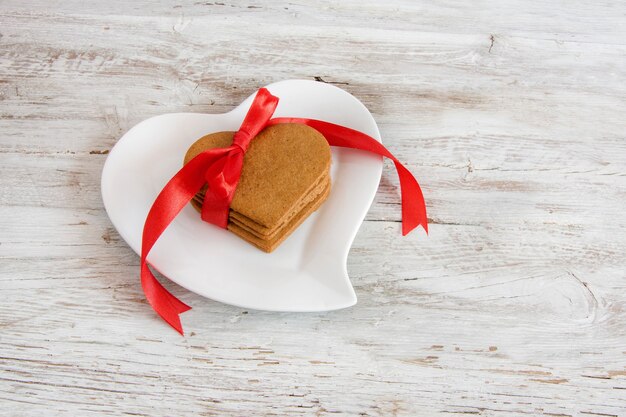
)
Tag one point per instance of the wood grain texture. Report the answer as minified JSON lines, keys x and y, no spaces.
{"x":513,"y":116}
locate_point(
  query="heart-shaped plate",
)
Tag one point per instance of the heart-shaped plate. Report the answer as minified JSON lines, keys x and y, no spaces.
{"x":308,"y":271}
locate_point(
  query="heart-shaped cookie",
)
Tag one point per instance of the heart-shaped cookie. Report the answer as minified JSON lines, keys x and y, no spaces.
{"x":308,"y":271}
{"x":285,"y":177}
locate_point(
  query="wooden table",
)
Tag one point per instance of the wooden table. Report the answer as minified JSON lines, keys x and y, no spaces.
{"x":512,"y":116}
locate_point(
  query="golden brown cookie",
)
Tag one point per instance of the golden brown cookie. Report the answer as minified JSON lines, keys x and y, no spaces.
{"x":264,"y":232}
{"x":285,"y":177}
{"x":271,"y":244}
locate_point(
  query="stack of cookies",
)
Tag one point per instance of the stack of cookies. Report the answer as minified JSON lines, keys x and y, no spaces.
{"x":285,"y":177}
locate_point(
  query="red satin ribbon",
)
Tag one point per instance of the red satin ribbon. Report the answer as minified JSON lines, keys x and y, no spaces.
{"x":220,"y":168}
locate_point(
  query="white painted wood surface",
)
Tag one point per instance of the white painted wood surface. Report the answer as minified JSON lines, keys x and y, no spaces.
{"x":512,"y":114}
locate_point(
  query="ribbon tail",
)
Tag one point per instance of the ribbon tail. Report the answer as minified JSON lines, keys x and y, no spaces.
{"x":162,"y":301}
{"x":413,"y":209}
{"x":171,"y":200}
{"x":413,"y":204}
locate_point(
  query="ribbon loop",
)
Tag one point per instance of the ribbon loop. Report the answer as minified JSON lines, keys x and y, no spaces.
{"x":215,"y":177}
{"x":242,"y":140}
{"x":261,"y":111}
{"x":221,"y":168}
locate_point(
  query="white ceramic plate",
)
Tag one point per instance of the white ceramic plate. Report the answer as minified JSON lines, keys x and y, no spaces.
{"x":308,"y":271}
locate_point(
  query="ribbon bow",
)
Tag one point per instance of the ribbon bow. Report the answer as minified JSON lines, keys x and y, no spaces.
{"x":220,"y":169}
